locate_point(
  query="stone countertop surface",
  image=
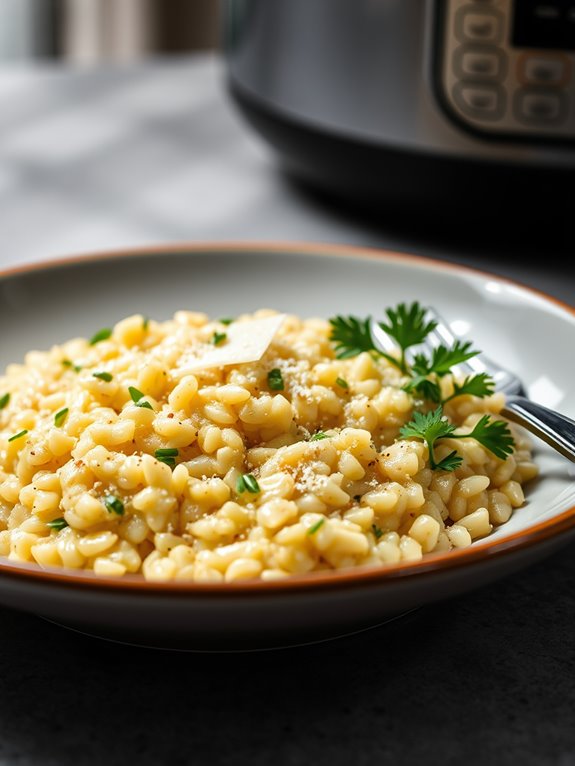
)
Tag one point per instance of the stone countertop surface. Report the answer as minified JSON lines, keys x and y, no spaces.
{"x":92,"y":160}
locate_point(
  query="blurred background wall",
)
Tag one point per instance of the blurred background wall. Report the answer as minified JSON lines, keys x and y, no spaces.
{"x":86,"y":32}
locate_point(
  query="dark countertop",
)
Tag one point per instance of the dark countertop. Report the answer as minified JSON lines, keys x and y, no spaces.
{"x":486,"y":678}
{"x":107,"y":158}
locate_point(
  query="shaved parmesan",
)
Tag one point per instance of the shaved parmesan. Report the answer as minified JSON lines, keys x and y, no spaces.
{"x":246,"y":342}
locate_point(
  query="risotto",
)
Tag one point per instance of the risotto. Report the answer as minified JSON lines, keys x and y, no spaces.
{"x":220,"y":450}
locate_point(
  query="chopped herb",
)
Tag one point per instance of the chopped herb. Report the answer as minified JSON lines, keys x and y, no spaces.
{"x":494,"y":435}
{"x":218,"y":337}
{"x":377,"y":532}
{"x":18,"y":435}
{"x":60,"y":416}
{"x":57,"y":524}
{"x":171,"y":461}
{"x":319,"y":436}
{"x":136,"y":397}
{"x":313,"y":529}
{"x":4,"y":401}
{"x":114,"y":504}
{"x":275,"y":379}
{"x":226,"y":320}
{"x":342,"y":383}
{"x":167,"y":455}
{"x":71,"y":365}
{"x":145,"y":323}
{"x":167,"y":452}
{"x":247,"y":481}
{"x":102,"y":334}
{"x":135,"y":394}
{"x":103,"y":376}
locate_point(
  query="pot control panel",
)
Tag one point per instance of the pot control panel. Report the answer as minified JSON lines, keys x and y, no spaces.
{"x":507,"y":67}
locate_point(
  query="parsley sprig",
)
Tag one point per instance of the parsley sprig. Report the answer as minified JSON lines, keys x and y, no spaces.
{"x":351,"y":336}
{"x":475,"y":385}
{"x":408,"y":327}
{"x":430,"y":427}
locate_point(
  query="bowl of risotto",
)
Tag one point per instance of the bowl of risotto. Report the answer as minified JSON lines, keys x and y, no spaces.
{"x":202,"y":446}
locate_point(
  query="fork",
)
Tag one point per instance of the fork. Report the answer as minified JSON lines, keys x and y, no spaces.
{"x":555,"y":429}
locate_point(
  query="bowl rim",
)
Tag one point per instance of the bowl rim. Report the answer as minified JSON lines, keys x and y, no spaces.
{"x":453,"y":560}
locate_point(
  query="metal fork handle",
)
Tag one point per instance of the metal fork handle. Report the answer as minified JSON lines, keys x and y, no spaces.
{"x":555,"y":429}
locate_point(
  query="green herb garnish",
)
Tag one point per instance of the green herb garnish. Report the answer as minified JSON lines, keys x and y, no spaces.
{"x":275,"y":379}
{"x":219,"y":337}
{"x":4,"y":401}
{"x":342,"y":383}
{"x":102,"y":334}
{"x":377,"y":532}
{"x":18,"y":435}
{"x":226,"y":320}
{"x":136,"y":397}
{"x":145,"y":323}
{"x":246,"y":481}
{"x":57,"y":524}
{"x":114,"y":504}
{"x":494,"y":435}
{"x":319,"y":436}
{"x":443,"y":359}
{"x":103,"y":376}
{"x":313,"y":529}
{"x":135,"y":394}
{"x":60,"y":416}
{"x":71,"y":365}
{"x":351,"y":336}
{"x":408,"y":327}
{"x":439,"y":364}
{"x":167,"y":455}
{"x":475,"y":385}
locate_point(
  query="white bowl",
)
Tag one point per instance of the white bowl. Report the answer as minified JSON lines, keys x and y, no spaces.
{"x":529,"y":332}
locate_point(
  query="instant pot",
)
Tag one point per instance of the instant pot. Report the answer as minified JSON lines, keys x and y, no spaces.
{"x":449,"y":102}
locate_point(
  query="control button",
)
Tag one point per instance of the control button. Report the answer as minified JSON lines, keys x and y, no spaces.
{"x":543,"y":70}
{"x":481,"y":101}
{"x":535,"y":107}
{"x":479,"y":63}
{"x":478,"y":26}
